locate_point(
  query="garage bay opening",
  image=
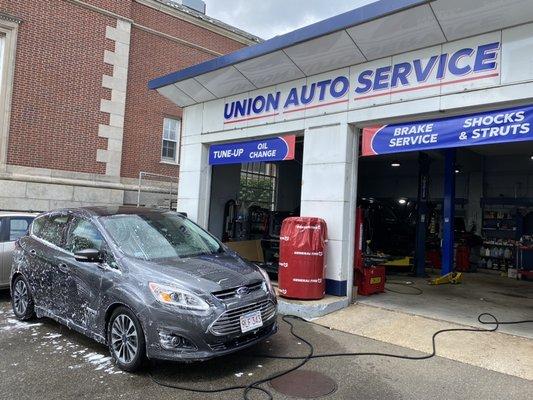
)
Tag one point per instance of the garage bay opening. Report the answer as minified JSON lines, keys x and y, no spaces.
{"x":426,"y":213}
{"x":250,"y":199}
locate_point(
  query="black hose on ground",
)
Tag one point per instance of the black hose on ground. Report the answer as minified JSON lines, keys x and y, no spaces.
{"x":254,"y":386}
{"x":417,"y":291}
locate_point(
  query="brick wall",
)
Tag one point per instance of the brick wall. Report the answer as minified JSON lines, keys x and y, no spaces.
{"x":166,"y":23}
{"x":57,"y":86}
{"x":120,"y":7}
{"x":58,"y":83}
{"x":152,"y":56}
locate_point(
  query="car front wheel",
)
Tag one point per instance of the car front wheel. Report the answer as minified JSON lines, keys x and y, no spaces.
{"x":126,"y":340}
{"x":22,"y":299}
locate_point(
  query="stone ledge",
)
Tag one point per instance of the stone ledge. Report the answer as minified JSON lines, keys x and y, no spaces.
{"x":11,"y":181}
{"x":311,"y":309}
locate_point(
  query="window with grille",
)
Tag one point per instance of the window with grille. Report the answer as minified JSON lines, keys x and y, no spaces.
{"x":258,"y":184}
{"x":171,"y":139}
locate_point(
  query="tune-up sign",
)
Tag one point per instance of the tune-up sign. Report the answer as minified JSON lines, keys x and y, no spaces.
{"x":267,"y":150}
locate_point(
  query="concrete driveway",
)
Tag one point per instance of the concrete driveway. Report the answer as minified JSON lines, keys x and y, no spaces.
{"x":43,"y":360}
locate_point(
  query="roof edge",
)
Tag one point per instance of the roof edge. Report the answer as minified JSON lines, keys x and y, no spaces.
{"x":189,"y":15}
{"x":357,"y":16}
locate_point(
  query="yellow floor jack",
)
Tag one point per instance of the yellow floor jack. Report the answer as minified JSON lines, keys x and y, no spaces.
{"x":452,"y":278}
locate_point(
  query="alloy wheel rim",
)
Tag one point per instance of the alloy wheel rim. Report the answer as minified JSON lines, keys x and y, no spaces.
{"x":20,"y":297}
{"x":124,"y":340}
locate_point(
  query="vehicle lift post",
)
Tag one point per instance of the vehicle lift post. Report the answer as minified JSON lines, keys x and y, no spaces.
{"x":422,"y":217}
{"x":448,"y":212}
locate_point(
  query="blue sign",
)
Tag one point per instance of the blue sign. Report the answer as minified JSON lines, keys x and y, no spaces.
{"x":268,"y":150}
{"x":440,"y":69}
{"x":503,"y":126}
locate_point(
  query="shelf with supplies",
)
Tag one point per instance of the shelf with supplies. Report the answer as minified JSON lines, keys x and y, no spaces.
{"x":498,"y":255}
{"x":512,"y":256}
{"x":510,"y":243}
{"x":501,"y":222}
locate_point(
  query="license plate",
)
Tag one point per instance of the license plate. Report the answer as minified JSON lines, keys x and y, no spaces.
{"x":251,"y":321}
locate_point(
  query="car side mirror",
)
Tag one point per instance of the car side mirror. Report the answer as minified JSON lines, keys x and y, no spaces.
{"x":88,"y":255}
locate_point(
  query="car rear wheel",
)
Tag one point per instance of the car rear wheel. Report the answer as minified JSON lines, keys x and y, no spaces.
{"x":126,"y":340}
{"x":22,"y":299}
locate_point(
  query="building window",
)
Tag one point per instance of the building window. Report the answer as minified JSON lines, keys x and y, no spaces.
{"x":8,"y":41}
{"x":171,"y":140}
{"x":258,"y":184}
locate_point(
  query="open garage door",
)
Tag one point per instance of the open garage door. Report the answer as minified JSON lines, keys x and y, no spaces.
{"x":473,"y":201}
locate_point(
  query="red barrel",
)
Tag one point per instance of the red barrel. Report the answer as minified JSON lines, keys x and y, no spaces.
{"x":302,"y":258}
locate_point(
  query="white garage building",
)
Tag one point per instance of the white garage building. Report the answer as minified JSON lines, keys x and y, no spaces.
{"x":390,"y":62}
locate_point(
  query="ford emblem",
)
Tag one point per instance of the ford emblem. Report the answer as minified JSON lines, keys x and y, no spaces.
{"x":242,"y":291}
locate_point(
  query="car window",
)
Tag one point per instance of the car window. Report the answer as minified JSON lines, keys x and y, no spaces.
{"x":51,"y":228}
{"x":18,"y":226}
{"x":37,"y":226}
{"x":158,"y":236}
{"x":1,"y":231}
{"x":83,"y":235}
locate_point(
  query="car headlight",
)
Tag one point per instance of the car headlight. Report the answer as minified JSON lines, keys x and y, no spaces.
{"x":267,"y":285}
{"x":177,"y":297}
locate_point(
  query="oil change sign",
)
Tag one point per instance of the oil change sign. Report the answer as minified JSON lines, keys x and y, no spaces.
{"x":274,"y":149}
{"x":503,"y":126}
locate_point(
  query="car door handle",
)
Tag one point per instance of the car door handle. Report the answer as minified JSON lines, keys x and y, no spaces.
{"x":63,"y":267}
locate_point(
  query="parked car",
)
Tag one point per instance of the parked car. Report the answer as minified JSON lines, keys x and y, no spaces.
{"x":13,"y":225}
{"x":144,"y":282}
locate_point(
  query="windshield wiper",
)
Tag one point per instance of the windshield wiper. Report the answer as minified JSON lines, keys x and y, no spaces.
{"x":191,"y":255}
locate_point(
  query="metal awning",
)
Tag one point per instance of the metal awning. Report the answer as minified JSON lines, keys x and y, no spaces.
{"x":380,"y":29}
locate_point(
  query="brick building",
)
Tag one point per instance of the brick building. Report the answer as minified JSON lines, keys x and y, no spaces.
{"x":77,"y":122}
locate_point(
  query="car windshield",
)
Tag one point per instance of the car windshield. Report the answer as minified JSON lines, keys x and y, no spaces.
{"x":154,"y":236}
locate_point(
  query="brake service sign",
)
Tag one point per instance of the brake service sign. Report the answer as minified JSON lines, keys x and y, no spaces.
{"x":267,"y":150}
{"x":503,"y":126}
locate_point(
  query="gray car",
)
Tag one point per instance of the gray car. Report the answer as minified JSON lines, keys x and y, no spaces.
{"x":147,"y":283}
{"x":13,"y":225}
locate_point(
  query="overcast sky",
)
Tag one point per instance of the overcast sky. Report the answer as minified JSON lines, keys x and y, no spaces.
{"x":268,"y":18}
